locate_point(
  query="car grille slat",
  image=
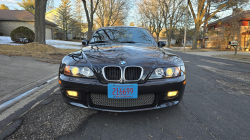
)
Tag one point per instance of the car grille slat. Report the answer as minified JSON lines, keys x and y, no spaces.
{"x":133,"y":73}
{"x":103,"y":100}
{"x":112,"y":73}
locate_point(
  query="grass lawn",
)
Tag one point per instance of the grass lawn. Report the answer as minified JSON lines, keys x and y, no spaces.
{"x":45,"y":53}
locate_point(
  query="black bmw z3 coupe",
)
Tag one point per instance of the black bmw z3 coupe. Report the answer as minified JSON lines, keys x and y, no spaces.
{"x":122,"y":69}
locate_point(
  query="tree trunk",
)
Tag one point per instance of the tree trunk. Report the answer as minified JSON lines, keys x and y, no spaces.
{"x":157,"y":37}
{"x":89,"y":35}
{"x":40,"y":11}
{"x":37,"y":19}
{"x":90,"y":17}
{"x":169,"y":41}
{"x":205,"y":25}
{"x":66,"y":30}
{"x":66,"y":35}
{"x":195,"y":37}
{"x":169,"y":37}
{"x":204,"y":35}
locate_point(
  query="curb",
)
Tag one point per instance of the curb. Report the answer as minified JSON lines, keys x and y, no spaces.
{"x":11,"y":102}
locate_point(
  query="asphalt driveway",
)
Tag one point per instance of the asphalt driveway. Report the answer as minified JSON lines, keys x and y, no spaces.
{"x":215,"y":106}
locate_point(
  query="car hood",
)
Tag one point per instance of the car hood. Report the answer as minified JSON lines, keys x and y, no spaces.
{"x":149,"y":57}
{"x":133,"y":54}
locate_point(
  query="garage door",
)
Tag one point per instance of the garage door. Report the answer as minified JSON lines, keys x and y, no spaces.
{"x":48,"y":33}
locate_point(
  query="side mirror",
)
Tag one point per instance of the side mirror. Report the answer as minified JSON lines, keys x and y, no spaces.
{"x":85,"y":42}
{"x":161,"y":44}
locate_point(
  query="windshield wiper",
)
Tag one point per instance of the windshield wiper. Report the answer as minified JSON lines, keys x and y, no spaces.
{"x":98,"y":42}
{"x":127,"y":42}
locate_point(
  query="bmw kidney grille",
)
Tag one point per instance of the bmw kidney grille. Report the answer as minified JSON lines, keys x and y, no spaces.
{"x":114,"y":73}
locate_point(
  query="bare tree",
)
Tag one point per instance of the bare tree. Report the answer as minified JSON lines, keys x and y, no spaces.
{"x":173,"y":11}
{"x":152,"y":15}
{"x":161,"y":13}
{"x":202,"y":6}
{"x":110,"y":12}
{"x":179,"y":30}
{"x":40,"y":11}
{"x":146,"y":16}
{"x":90,"y":11}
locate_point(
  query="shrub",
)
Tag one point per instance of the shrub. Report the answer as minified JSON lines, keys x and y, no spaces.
{"x":22,"y":32}
{"x":1,"y":34}
{"x":60,"y":35}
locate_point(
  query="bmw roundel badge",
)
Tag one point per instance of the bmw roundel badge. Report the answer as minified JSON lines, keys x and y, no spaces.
{"x":123,"y":63}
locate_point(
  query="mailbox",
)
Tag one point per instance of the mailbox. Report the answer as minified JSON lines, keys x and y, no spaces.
{"x":233,"y":43}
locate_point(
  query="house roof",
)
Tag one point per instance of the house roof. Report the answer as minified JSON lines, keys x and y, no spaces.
{"x":20,"y":15}
{"x":245,"y":15}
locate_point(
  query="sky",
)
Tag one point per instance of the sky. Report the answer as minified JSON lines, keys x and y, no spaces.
{"x":10,"y":3}
{"x":131,"y":18}
{"x":13,"y":5}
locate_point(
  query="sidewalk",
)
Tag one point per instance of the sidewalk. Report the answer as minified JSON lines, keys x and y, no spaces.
{"x":228,"y":55}
{"x":20,"y":74}
{"x":214,"y":53}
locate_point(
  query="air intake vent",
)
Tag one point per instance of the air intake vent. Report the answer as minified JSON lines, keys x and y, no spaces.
{"x":133,"y":73}
{"x":103,"y":100}
{"x":112,"y":73}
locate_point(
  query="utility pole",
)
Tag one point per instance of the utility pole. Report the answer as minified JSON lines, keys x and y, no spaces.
{"x":185,"y":34}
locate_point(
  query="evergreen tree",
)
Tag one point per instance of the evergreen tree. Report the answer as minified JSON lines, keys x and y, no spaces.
{"x":28,"y":5}
{"x":64,"y":16}
{"x":4,"y":7}
{"x":78,"y":16}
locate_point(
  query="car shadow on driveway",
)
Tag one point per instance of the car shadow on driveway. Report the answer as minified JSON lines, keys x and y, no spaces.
{"x":54,"y":119}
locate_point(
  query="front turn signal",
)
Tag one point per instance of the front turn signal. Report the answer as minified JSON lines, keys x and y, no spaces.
{"x":67,"y":70}
{"x":184,"y":83}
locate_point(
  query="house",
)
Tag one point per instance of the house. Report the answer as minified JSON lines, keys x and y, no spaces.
{"x":11,"y":19}
{"x":74,"y":29}
{"x":234,"y":27}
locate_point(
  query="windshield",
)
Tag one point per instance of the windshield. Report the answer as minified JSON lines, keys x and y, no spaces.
{"x":122,"y":35}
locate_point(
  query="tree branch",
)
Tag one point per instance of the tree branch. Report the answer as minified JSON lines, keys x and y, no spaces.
{"x":192,"y":10}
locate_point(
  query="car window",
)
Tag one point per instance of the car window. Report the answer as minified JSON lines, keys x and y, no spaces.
{"x":122,"y":35}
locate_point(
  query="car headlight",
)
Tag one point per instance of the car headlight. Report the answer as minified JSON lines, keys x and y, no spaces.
{"x":78,"y":71}
{"x":166,"y":72}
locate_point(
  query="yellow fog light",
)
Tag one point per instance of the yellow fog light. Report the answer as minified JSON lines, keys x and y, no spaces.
{"x":72,"y":93}
{"x":75,"y":70}
{"x":170,"y":72}
{"x":172,"y":93}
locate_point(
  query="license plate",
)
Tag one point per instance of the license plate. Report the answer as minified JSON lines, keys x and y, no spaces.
{"x":122,"y":91}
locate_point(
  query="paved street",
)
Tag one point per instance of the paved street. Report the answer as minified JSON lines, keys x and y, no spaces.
{"x":215,"y":106}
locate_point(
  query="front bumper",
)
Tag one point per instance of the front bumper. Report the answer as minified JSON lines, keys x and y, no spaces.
{"x":87,"y":86}
{"x":168,"y":104}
